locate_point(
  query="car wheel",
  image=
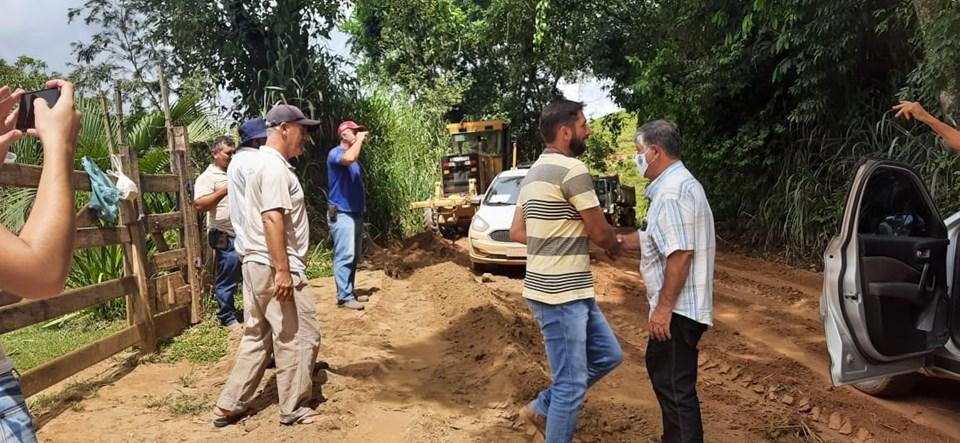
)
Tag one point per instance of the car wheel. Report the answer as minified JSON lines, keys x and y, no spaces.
{"x":889,"y":386}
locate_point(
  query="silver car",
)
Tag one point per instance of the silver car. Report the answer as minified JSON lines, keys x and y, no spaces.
{"x":890,"y":304}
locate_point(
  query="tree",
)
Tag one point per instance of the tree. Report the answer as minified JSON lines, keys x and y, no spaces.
{"x":468,"y":59}
{"x":124,"y":49}
{"x":263,"y":51}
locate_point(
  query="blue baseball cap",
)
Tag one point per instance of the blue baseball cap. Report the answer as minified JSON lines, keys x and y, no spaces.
{"x":253,"y":129}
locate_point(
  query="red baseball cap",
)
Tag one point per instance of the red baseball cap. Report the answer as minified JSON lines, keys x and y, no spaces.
{"x":349,"y":124}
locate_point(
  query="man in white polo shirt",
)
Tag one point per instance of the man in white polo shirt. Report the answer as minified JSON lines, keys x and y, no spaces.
{"x":677,"y":251}
{"x":281,"y":308}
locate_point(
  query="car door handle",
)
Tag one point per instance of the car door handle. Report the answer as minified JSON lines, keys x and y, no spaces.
{"x":927,"y":281}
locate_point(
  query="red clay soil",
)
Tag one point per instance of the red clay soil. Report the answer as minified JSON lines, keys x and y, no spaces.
{"x":442,"y":355}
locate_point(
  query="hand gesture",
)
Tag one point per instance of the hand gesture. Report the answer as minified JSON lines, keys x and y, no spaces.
{"x":8,"y":133}
{"x":57,"y":127}
{"x":617,"y":250}
{"x":911,"y":110}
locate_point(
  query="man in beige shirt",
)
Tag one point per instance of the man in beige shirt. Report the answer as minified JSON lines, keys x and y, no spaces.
{"x":280,"y":309}
{"x":210,"y":192}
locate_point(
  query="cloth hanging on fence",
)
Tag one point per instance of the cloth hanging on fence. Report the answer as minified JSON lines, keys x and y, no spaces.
{"x":105,"y":197}
{"x":128,"y":189}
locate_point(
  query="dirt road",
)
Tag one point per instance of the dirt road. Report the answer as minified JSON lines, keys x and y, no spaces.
{"x":441,"y":355}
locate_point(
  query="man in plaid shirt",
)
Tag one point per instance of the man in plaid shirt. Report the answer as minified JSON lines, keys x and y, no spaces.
{"x":677,"y":251}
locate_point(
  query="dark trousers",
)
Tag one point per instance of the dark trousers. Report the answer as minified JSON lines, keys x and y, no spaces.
{"x":229,"y":276}
{"x":672,"y":366}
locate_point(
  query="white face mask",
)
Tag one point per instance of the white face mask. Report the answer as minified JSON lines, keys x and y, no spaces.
{"x":642,"y":164}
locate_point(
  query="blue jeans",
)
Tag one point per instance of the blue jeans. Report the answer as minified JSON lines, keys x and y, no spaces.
{"x":229,"y":276}
{"x":16,"y":425}
{"x":581,"y":349}
{"x":347,"y":233}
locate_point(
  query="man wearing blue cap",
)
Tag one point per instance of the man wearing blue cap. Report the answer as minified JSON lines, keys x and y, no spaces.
{"x":253,"y":133}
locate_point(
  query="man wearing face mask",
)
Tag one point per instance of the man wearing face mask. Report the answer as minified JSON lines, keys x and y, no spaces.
{"x":557,"y":216}
{"x":677,"y":257}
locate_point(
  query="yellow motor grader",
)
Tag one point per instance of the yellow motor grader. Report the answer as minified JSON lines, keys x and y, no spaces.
{"x":478,"y":154}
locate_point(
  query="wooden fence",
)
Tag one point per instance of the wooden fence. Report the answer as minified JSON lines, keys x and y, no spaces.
{"x":162,"y":290}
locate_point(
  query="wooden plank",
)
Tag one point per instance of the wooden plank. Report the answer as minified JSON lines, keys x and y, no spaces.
{"x":161,"y":242}
{"x":180,"y":165}
{"x":90,"y":237}
{"x":171,"y":323}
{"x":7,"y":298}
{"x":29,"y":312}
{"x":168,"y":260}
{"x":159,"y":183}
{"x":87,"y":217}
{"x":139,"y":304}
{"x":28,"y":176}
{"x":163,"y":290}
{"x":49,"y":374}
{"x":182,"y":295}
{"x":164,"y":222}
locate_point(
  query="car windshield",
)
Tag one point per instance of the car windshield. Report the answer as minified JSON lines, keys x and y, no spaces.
{"x":503,"y":192}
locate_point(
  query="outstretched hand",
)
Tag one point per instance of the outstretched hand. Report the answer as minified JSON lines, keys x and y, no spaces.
{"x":911,"y":110}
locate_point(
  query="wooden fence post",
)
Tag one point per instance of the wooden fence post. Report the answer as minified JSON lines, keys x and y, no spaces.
{"x":180,"y":164}
{"x":139,"y":305}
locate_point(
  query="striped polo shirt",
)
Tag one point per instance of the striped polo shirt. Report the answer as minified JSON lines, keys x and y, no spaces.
{"x":552,"y":195}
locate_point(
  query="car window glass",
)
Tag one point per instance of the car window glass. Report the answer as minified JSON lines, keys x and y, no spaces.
{"x":893,"y":204}
{"x":503,"y":192}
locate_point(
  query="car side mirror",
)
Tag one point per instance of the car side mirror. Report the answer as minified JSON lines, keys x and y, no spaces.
{"x":476,"y":200}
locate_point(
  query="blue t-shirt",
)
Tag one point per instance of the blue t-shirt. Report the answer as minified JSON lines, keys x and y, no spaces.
{"x":345,"y":185}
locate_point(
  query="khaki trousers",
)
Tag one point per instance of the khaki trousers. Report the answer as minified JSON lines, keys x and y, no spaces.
{"x":290,"y":330}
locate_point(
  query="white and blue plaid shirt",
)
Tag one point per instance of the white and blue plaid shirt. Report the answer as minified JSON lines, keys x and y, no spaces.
{"x":679,"y":219}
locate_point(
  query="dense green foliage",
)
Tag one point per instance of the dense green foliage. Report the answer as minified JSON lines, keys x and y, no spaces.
{"x":466,"y":60}
{"x":776,"y":100}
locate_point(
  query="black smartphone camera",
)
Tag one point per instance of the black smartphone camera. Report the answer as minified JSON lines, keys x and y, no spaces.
{"x":25,"y":117}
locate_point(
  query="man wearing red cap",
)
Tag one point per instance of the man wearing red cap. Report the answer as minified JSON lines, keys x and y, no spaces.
{"x":347,"y":204}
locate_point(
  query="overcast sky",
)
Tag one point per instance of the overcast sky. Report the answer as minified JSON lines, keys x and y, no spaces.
{"x":39,"y":28}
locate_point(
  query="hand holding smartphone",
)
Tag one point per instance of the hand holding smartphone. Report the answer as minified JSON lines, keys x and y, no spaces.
{"x":26,"y":117}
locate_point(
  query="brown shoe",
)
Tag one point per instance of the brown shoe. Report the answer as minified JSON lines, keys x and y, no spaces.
{"x":539,"y":422}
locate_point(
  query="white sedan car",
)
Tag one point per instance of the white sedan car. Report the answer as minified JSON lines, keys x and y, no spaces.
{"x":490,"y":229}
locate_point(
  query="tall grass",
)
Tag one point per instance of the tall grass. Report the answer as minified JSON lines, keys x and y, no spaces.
{"x":400,"y":162}
{"x":803,"y":209}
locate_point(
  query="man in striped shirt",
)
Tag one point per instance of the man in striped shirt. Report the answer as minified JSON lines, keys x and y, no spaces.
{"x":676,"y":260}
{"x":557,"y":215}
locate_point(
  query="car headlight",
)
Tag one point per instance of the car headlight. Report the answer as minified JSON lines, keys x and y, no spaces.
{"x":479,"y":224}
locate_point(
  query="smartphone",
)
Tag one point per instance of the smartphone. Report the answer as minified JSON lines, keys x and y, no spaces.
{"x":25,"y":117}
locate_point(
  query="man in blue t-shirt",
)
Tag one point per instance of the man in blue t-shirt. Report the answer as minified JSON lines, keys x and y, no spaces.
{"x":345,"y":213}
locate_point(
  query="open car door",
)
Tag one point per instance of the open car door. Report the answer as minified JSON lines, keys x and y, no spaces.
{"x":885,"y":294}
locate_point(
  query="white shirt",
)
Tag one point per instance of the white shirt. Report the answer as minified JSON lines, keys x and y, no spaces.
{"x":212,"y":179}
{"x":5,"y":364}
{"x":679,"y":219}
{"x":275,"y":186}
{"x":244,"y":164}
